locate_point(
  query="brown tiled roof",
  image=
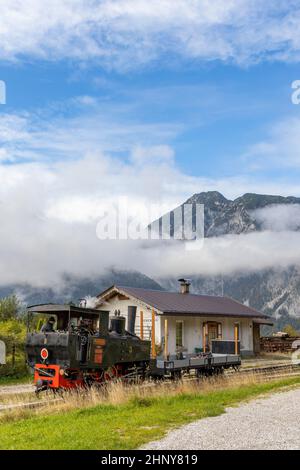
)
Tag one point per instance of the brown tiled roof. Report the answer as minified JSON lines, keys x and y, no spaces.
{"x":189,"y":304}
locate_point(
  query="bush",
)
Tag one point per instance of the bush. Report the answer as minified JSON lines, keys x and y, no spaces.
{"x":13,"y":333}
{"x":291,"y":331}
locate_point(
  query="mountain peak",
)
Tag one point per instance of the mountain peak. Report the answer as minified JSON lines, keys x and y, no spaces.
{"x":208,"y":197}
{"x":224,"y":216}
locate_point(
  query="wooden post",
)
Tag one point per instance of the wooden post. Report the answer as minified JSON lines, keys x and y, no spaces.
{"x":236,"y":339}
{"x":142,"y":324}
{"x":204,"y":337}
{"x":166,"y":340}
{"x":13,"y":355}
{"x":153,"y":351}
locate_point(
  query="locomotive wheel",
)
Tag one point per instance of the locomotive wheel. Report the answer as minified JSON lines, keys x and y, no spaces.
{"x":110,"y":374}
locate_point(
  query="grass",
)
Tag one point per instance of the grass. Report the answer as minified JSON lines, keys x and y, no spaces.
{"x":11,"y":380}
{"x":127,"y":417}
{"x":14,"y":373}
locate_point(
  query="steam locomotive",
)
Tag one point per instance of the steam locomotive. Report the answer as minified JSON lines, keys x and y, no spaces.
{"x":84,"y":349}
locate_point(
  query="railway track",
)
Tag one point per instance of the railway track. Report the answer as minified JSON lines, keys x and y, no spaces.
{"x":30,"y":405}
{"x":267,"y":369}
{"x":266,"y":373}
{"x":16,"y":389}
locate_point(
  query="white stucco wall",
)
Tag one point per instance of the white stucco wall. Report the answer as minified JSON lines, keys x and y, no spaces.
{"x":122,"y":305}
{"x":192,"y":326}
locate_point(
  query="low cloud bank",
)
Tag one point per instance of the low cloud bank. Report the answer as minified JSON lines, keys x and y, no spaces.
{"x":49,"y":214}
{"x":232,"y":254}
{"x":279,"y":217}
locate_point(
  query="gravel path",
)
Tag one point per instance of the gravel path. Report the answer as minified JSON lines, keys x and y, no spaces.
{"x":265,"y":423}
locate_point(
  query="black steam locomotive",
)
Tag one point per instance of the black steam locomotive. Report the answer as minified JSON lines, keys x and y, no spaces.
{"x":82,"y":348}
{"x":77,"y":347}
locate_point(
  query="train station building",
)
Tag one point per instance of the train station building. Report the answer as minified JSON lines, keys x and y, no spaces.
{"x":187,"y":323}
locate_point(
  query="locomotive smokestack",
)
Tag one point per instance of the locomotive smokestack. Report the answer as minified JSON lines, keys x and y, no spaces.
{"x":184,"y":285}
{"x":104,"y":322}
{"x":131,"y":319}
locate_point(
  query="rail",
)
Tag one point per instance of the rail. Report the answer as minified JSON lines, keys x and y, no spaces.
{"x":268,"y":373}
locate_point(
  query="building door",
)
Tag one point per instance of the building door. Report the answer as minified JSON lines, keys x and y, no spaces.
{"x":256,"y":338}
{"x":212,"y":330}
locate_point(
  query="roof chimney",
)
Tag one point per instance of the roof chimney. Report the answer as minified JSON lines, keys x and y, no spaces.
{"x":184,"y":286}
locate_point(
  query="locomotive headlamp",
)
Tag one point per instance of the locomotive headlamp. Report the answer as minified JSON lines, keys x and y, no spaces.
{"x":44,"y":354}
{"x":61,"y":371}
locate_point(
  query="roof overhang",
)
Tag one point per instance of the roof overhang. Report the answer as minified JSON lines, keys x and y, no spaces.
{"x":263,"y":321}
{"x":212,"y":314}
{"x":114,"y":291}
{"x":55,"y":309}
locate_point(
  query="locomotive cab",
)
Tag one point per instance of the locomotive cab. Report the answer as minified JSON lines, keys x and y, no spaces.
{"x":59,"y":354}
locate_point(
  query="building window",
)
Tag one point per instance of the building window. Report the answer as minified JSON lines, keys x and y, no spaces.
{"x":219,"y":330}
{"x":179,"y":334}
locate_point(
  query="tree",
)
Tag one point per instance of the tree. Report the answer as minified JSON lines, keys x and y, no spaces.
{"x":291,"y":331}
{"x":13,"y":332}
{"x":10,"y":308}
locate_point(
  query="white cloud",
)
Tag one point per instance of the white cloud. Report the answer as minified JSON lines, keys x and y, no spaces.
{"x":129,"y":33}
{"x":280,"y":149}
{"x":231,"y":254}
{"x":27,"y":136}
{"x":279,"y":217}
{"x":152,"y":156}
{"x":13,"y":128}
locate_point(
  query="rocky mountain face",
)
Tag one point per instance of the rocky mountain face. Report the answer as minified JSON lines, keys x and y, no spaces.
{"x":71,"y":288}
{"x":223,"y":216}
{"x":274,"y":291}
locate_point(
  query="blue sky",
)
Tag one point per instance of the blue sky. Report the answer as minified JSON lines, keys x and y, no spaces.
{"x":149,"y":100}
{"x":209,"y":79}
{"x":209,"y":113}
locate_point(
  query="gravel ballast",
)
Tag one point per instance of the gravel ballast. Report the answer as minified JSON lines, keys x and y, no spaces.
{"x":15,"y":389}
{"x":265,"y":423}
